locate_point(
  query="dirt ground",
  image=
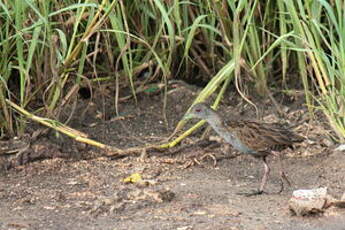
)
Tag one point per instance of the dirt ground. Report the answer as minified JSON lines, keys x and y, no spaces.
{"x":83,"y":189}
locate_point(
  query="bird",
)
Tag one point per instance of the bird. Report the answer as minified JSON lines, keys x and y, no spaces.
{"x":258,"y":139}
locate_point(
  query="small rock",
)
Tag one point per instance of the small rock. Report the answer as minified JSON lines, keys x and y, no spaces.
{"x":340,"y":147}
{"x":306,"y":202}
{"x":108,"y":201}
{"x":185,"y":228}
{"x":200,"y":213}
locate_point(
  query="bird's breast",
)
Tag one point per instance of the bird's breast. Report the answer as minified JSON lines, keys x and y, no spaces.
{"x":232,"y":139}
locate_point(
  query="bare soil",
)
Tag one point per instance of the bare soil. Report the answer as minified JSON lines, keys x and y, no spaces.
{"x":80,"y":188}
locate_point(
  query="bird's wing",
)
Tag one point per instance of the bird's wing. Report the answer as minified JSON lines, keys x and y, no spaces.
{"x":262,"y":137}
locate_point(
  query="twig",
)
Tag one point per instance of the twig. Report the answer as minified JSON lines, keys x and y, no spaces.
{"x":111,"y":151}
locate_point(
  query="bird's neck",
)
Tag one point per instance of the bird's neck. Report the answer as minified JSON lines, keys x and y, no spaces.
{"x":228,"y":134}
{"x":218,"y":125}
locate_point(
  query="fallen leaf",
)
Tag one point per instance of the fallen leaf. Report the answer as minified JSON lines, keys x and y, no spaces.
{"x":134,"y":178}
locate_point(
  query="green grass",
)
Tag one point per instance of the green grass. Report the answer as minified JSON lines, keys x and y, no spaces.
{"x":50,"y":49}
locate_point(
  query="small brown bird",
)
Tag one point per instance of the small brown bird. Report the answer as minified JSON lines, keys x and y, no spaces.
{"x":254,"y":138}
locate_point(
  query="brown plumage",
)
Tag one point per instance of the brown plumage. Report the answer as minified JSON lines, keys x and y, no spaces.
{"x":263,"y":137}
{"x":254,"y":138}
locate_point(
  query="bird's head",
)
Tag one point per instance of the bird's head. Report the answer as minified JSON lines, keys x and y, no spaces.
{"x":199,"y":110}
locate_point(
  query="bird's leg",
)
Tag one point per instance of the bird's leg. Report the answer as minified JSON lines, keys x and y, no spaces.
{"x":282,"y":173}
{"x":263,"y":181}
{"x":265,"y":176}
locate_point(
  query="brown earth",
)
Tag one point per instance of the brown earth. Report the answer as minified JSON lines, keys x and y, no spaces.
{"x":85,"y":190}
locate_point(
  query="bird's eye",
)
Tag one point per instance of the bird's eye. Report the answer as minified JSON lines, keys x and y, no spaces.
{"x":198,"y":110}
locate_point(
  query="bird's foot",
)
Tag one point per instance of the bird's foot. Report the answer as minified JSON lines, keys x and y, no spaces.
{"x":283,"y":178}
{"x":251,"y":193}
{"x":281,"y":186}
